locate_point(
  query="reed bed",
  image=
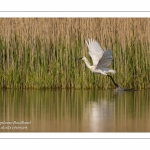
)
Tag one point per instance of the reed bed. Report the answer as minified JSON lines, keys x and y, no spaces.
{"x":41,"y":52}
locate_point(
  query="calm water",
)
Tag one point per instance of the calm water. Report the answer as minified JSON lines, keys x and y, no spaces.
{"x":74,"y":111}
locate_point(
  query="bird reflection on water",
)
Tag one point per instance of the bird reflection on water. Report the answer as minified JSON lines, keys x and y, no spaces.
{"x":76,"y":110}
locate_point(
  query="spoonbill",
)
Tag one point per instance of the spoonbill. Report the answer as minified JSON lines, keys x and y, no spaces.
{"x":101,"y":58}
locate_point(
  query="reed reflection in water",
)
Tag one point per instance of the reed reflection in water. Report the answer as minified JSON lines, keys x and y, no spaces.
{"x":74,"y":111}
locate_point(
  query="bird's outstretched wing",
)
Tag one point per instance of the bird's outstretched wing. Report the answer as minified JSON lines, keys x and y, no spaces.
{"x":95,"y":51}
{"x":106,"y":59}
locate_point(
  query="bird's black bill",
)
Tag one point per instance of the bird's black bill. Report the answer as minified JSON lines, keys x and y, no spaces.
{"x":79,"y":58}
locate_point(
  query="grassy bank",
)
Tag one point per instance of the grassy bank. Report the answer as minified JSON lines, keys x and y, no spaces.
{"x":40,"y":53}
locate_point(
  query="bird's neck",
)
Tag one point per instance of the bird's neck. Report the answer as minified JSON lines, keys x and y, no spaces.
{"x":87,"y":63}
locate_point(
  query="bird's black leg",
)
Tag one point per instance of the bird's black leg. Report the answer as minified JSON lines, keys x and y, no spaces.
{"x":113,"y":80}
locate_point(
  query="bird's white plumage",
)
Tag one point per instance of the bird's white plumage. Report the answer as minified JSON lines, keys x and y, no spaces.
{"x":95,"y":51}
{"x":101,"y":59}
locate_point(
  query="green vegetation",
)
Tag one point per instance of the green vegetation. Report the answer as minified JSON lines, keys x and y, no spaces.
{"x":41,"y":52}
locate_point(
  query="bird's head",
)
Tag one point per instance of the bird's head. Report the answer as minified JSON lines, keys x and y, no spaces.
{"x":81,"y":58}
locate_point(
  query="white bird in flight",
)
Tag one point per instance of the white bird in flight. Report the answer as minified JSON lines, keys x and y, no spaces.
{"x":101,"y":58}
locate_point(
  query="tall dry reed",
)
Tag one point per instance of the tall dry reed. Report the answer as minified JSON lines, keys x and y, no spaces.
{"x":41,"y":52}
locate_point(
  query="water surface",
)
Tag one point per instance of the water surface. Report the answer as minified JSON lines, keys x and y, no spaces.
{"x":74,"y":111}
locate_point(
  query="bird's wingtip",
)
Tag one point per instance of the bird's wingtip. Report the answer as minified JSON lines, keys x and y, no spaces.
{"x":89,"y":40}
